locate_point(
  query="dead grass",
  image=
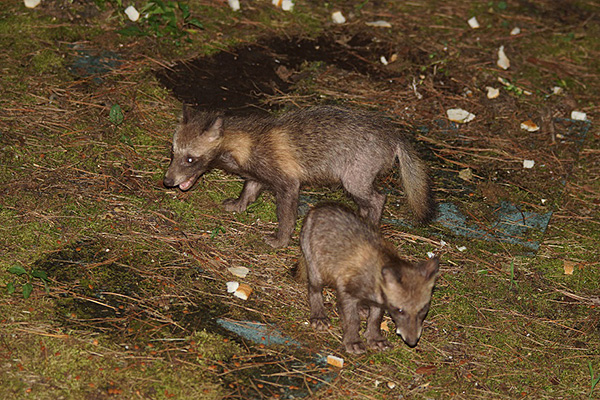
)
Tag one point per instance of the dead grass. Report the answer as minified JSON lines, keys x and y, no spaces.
{"x":137,"y":272}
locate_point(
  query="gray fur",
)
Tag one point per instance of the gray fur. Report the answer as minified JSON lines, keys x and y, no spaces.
{"x":320,"y":145}
{"x":343,"y":251}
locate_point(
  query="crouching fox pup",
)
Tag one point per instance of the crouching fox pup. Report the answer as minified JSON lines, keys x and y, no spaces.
{"x":342,"y":251}
{"x":319,"y":145}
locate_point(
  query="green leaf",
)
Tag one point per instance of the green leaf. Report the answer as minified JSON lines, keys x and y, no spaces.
{"x":17,"y":270}
{"x":502,"y":5}
{"x":27,"y":289}
{"x":132,"y":30}
{"x":36,"y":273}
{"x":10,"y":288}
{"x":196,"y":23}
{"x":116,"y":114}
{"x":185,"y":10}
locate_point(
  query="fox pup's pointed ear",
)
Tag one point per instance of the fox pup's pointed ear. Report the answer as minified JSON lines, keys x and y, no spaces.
{"x":215,"y":130}
{"x":391,"y":274}
{"x":430,"y":268}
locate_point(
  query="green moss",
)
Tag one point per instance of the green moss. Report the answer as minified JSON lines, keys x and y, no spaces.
{"x":47,"y":61}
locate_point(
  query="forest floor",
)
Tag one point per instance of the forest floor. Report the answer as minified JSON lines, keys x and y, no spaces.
{"x":113,"y":286}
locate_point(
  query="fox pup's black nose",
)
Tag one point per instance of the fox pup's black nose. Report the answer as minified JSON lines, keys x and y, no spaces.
{"x":168,"y":182}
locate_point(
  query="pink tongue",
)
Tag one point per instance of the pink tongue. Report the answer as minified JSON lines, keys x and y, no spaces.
{"x":187,"y":184}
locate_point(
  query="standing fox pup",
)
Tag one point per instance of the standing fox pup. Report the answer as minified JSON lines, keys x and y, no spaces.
{"x":320,"y":145}
{"x":342,"y":251}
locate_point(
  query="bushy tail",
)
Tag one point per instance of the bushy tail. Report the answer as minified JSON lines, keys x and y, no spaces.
{"x":416,"y":183}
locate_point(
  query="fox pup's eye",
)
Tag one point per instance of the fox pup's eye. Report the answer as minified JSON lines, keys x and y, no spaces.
{"x":400,"y":311}
{"x":190,"y":160}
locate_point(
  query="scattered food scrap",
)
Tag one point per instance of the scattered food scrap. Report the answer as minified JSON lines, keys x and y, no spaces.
{"x":379,"y":24}
{"x":384,"y":325}
{"x":234,"y":4}
{"x":529,"y":126}
{"x":32,"y":3}
{"x":285,"y":5}
{"x":473,"y":23}
{"x":516,"y":30}
{"x":243,"y":291}
{"x":338,"y":17}
{"x":465,"y":174}
{"x":459,"y":115}
{"x":132,"y":13}
{"x":503,"y":61}
{"x":569,"y":266}
{"x":528,"y":164}
{"x":492,"y":92}
{"x":232,"y":286}
{"x":335,"y":361}
{"x":240,"y":272}
{"x":578,"y":116}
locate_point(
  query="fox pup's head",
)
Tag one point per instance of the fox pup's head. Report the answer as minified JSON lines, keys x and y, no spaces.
{"x":195,"y":144}
{"x":407,"y":289}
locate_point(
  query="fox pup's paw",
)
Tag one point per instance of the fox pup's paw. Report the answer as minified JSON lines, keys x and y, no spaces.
{"x":379,"y":344}
{"x":234,"y":205}
{"x":275,"y":241}
{"x":320,"y":324}
{"x":355,"y":347}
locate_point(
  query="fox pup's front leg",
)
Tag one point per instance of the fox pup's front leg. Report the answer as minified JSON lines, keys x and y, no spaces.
{"x":286,"y":197}
{"x":373,"y":333}
{"x":249,"y":194}
{"x":318,"y":316}
{"x":348,"y":308}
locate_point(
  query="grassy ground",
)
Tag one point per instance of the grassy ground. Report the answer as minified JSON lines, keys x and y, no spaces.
{"x":127,"y":278}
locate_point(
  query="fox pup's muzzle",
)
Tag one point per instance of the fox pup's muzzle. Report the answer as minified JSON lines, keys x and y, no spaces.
{"x":168,"y":182}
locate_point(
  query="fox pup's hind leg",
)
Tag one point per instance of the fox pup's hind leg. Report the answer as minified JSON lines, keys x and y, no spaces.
{"x":318,"y":316}
{"x":286,"y":197}
{"x":370,"y":202}
{"x":348,"y":308}
{"x":373,"y":333}
{"x":250,"y":193}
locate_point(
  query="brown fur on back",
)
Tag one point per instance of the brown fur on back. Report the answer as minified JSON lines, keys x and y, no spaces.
{"x":342,"y":251}
{"x":319,"y":145}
